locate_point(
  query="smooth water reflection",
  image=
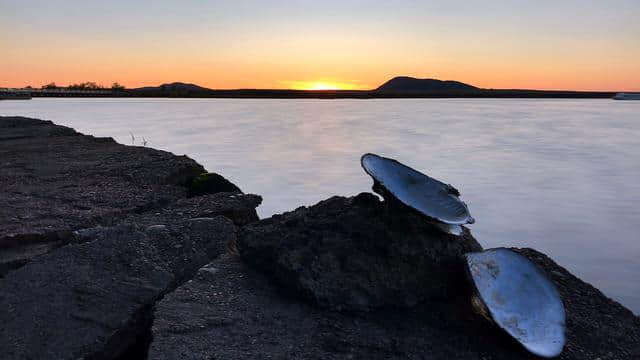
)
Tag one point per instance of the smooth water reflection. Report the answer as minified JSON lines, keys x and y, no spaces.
{"x":560,"y":176}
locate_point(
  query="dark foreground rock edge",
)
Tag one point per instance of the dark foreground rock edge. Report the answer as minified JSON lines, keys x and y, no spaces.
{"x":94,"y":300}
{"x":54,"y":180}
{"x":94,"y":233}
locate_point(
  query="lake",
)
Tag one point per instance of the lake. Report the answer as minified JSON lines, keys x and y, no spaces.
{"x":561,"y":176}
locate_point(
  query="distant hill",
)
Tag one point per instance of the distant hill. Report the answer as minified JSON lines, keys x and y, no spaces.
{"x":409,"y":84}
{"x":175,"y":87}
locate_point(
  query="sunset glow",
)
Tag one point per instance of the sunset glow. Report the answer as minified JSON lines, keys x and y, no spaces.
{"x":323,"y":85}
{"x":348,"y":45}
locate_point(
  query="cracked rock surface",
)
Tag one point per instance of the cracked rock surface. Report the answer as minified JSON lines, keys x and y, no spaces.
{"x":93,"y":300}
{"x":93,"y":234}
{"x":54,"y":180}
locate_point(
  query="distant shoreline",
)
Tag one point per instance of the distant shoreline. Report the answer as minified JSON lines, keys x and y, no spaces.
{"x":325,"y":94}
{"x":398,"y":87}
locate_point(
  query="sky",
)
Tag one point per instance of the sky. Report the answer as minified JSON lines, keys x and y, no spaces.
{"x":346,"y":44}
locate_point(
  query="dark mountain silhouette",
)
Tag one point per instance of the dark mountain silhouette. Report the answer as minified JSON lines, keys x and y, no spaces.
{"x":175,"y":87}
{"x":409,"y":84}
{"x":398,"y":87}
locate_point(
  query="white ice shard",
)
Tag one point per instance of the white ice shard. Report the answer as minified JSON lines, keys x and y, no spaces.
{"x":519,"y":297}
{"x":427,"y":195}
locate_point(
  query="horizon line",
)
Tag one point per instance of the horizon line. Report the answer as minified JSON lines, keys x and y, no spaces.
{"x":328,"y":90}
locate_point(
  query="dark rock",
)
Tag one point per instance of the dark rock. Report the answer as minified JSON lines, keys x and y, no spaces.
{"x":54,"y":180}
{"x":156,"y":228}
{"x":358,"y":254}
{"x":16,"y":127}
{"x":230,"y":311}
{"x":108,"y":230}
{"x":94,"y":300}
{"x":240,"y":208}
{"x":17,"y":250}
{"x":597,"y":327}
{"x":210,"y":183}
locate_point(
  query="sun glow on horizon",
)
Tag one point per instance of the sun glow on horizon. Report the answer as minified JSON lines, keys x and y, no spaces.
{"x":323,"y":85}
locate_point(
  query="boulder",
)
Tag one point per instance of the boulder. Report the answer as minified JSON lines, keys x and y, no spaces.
{"x":358,"y":254}
{"x":94,"y":299}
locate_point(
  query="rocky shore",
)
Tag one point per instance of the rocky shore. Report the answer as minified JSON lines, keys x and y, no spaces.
{"x":119,"y":252}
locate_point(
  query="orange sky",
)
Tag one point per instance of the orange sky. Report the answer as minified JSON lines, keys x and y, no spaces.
{"x":301,"y":44}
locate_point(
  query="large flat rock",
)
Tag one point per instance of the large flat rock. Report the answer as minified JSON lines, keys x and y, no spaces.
{"x":53,"y":178}
{"x":94,"y":299}
{"x":230,"y":311}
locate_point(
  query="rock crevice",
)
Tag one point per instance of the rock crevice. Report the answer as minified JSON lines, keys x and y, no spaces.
{"x":94,"y":300}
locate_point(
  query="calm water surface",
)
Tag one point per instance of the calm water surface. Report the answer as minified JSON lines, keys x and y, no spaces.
{"x":561,"y":176}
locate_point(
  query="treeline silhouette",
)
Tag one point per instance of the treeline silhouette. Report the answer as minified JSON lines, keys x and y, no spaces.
{"x":89,"y":85}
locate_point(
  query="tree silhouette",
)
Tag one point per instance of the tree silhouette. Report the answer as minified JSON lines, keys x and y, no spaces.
{"x":89,"y":85}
